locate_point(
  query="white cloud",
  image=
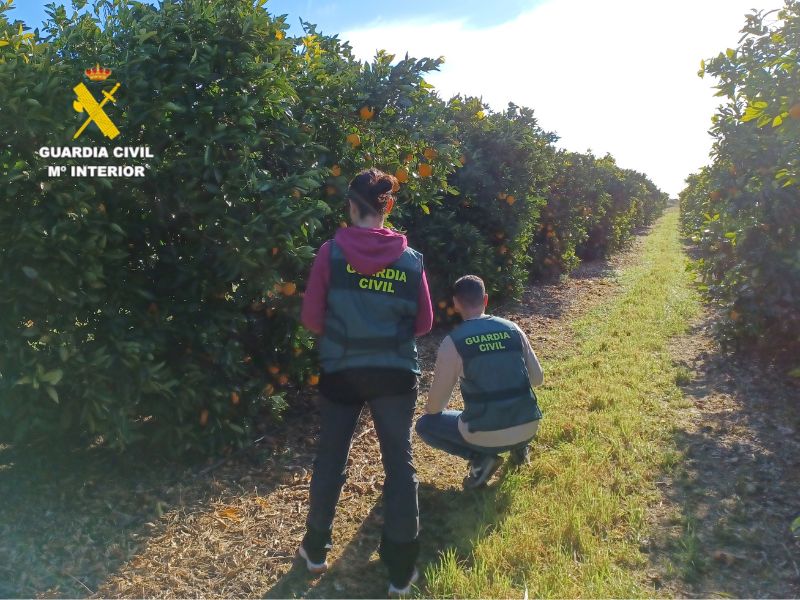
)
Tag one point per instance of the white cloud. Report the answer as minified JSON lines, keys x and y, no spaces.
{"x":616,"y":76}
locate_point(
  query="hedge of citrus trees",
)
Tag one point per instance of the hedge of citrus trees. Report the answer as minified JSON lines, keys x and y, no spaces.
{"x":165,"y":308}
{"x":743,"y":210}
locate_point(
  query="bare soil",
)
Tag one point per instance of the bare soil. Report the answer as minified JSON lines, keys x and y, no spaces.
{"x":724,"y":529}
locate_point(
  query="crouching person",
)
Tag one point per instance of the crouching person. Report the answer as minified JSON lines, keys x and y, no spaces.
{"x":497,"y":369}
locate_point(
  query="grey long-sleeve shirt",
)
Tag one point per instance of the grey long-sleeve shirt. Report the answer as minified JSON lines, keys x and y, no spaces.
{"x":449,"y":368}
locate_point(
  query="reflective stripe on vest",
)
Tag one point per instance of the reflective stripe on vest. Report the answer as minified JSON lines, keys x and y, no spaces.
{"x":496,"y":385}
{"x":370,"y":318}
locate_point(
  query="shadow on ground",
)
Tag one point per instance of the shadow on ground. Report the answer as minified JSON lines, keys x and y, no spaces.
{"x":69,"y":518}
{"x":734,"y":487}
{"x":451,"y":520}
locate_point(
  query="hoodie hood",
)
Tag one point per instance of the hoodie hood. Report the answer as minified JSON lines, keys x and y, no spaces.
{"x":370,"y":250}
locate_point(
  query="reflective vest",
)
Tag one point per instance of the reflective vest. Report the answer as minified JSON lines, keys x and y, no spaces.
{"x":495,"y":386}
{"x":370,"y":318}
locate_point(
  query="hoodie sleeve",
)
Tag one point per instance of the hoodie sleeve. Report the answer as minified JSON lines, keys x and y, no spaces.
{"x":315,"y":300}
{"x":424,"y":308}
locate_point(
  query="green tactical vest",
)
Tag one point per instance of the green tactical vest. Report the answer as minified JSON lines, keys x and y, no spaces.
{"x":495,"y":386}
{"x":370,"y":318}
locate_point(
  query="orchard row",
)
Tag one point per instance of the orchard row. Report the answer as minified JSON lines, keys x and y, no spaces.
{"x":743,"y":210}
{"x":166,"y":309}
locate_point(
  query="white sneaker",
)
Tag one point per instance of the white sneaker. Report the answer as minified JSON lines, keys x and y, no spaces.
{"x":406,"y":591}
{"x":315,"y":568}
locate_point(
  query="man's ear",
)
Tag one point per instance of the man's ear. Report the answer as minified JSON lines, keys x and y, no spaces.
{"x":389,"y":206}
{"x":485,"y":300}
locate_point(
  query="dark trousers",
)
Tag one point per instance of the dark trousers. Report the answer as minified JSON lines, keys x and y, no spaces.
{"x":440,"y":431}
{"x":393,"y":416}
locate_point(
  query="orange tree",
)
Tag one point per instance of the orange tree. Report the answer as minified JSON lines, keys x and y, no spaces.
{"x":506,"y":159}
{"x":126,"y":305}
{"x":743,"y":210}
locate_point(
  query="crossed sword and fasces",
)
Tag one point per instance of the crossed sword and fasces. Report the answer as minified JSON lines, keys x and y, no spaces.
{"x":95,"y":110}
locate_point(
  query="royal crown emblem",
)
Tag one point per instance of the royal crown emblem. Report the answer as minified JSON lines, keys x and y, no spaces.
{"x":97,"y":73}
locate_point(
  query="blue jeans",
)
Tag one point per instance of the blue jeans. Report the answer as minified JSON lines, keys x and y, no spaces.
{"x":441,"y":431}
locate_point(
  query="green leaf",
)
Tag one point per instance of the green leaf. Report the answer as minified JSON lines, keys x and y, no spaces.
{"x":51,"y":391}
{"x":30,"y":272}
{"x":425,"y":209}
{"x":777,"y":121}
{"x":795,"y":526}
{"x":53,"y":377}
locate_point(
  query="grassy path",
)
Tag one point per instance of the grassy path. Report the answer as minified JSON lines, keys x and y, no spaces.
{"x":574,"y":522}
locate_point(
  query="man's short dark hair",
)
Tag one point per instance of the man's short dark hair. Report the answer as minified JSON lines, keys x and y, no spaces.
{"x":469,"y":290}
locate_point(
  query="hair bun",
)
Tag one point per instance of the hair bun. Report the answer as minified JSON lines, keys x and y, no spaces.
{"x":383,"y":185}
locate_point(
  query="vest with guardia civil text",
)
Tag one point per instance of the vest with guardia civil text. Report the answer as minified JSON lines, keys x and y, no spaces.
{"x":495,"y":386}
{"x":370,"y":318}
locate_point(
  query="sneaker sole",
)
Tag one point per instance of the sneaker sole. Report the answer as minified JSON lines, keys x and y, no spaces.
{"x":406,"y":591}
{"x":315,"y":568}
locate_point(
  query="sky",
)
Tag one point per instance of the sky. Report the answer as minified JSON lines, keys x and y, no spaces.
{"x":616,"y":76}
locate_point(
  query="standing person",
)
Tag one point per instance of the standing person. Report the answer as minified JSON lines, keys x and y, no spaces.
{"x":498,"y":370}
{"x":367,"y":298}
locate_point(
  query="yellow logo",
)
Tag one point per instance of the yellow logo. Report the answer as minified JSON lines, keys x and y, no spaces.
{"x":86,"y":103}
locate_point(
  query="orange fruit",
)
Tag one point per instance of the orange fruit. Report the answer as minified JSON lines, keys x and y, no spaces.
{"x":430,"y":153}
{"x":510,"y":200}
{"x":794,"y":112}
{"x":274,"y":251}
{"x":715,"y":195}
{"x":204,"y":417}
{"x":283,"y":379}
{"x":425,"y":170}
{"x":366,"y":113}
{"x":298,"y":351}
{"x":289,"y":288}
{"x":274,"y":369}
{"x":462,"y":159}
{"x":502,"y":195}
{"x":234,"y":398}
{"x":336,"y":170}
{"x":451,"y":311}
{"x":296,"y":193}
{"x":342,"y":224}
{"x":269,"y":389}
{"x":313,"y":379}
{"x":101,"y":208}
{"x":354,"y":140}
{"x":443,"y":304}
{"x":408,"y":158}
{"x":401,"y":175}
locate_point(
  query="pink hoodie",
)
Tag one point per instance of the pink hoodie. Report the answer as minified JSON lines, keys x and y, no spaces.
{"x":368,"y":250}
